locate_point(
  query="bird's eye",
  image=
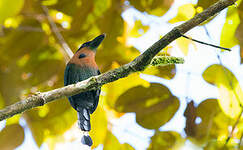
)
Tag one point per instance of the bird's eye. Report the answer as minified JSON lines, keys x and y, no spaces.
{"x":81,"y":56}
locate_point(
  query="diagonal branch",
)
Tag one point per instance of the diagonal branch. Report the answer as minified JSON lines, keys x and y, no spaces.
{"x":54,"y":28}
{"x":137,"y":64}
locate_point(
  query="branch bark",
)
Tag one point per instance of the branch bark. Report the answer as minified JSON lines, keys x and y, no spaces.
{"x":138,"y":64}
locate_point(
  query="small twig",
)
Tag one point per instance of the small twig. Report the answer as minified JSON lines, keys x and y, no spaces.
{"x":215,"y":46}
{"x":233,"y":128}
{"x":55,"y":30}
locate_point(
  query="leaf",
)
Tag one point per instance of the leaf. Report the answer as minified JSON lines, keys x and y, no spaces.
{"x":213,"y":125}
{"x":99,"y":124}
{"x":138,"y":29}
{"x":113,"y":90}
{"x":152,"y":7}
{"x":191,"y":115}
{"x":166,"y":140}
{"x":168,"y":72}
{"x":11,"y":137}
{"x":229,"y":89}
{"x":10,"y":8}
{"x":227,"y":38}
{"x":205,"y":4}
{"x":239,"y":36}
{"x":51,"y":120}
{"x":112,"y":143}
{"x":185,"y":12}
{"x":154,"y":106}
{"x":184,"y":44}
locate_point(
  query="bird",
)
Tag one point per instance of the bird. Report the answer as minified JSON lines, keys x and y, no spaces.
{"x":80,"y":67}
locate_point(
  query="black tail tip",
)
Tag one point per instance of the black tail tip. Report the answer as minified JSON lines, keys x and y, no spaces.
{"x":86,"y":140}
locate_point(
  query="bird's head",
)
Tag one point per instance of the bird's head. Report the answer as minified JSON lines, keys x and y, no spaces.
{"x":86,"y":53}
{"x":92,"y":45}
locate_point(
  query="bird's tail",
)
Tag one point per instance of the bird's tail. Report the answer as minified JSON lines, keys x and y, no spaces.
{"x":84,"y":124}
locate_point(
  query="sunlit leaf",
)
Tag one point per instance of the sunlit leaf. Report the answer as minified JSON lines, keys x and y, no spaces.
{"x":10,"y":8}
{"x":113,"y":90}
{"x":112,"y":143}
{"x":227,"y":38}
{"x":229,"y":88}
{"x":99,"y":124}
{"x":51,"y":121}
{"x":153,"y":7}
{"x":185,"y":12}
{"x":138,"y":29}
{"x":220,"y":145}
{"x":166,"y":140}
{"x":154,"y":106}
{"x":11,"y":137}
{"x":168,"y":72}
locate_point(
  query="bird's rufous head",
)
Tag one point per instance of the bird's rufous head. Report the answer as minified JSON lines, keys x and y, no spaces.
{"x":86,"y":53}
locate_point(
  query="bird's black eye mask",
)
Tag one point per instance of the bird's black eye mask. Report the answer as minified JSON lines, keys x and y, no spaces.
{"x":82,"y":55}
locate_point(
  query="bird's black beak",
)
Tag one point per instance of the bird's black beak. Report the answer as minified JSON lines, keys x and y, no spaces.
{"x":96,"y":42}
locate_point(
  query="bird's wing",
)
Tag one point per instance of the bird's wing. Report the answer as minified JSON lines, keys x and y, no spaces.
{"x":71,"y":77}
{"x":96,"y":95}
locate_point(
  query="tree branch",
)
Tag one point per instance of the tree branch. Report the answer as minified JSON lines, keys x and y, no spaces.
{"x":54,"y":28}
{"x":137,"y":64}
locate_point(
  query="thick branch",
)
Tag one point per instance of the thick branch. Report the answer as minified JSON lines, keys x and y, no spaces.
{"x":138,"y":64}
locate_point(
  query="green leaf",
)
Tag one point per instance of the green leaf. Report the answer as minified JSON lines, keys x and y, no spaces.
{"x":112,"y":143}
{"x":11,"y":137}
{"x":166,"y":140}
{"x":154,"y":106}
{"x":9,"y":8}
{"x":231,"y":94}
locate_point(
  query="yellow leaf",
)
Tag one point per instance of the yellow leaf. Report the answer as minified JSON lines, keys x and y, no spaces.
{"x":9,"y":8}
{"x":168,"y":72}
{"x":112,"y":143}
{"x":154,"y":105}
{"x":227,"y":38}
{"x":11,"y":137}
{"x":166,"y":140}
{"x":185,"y":12}
{"x":138,"y":29}
{"x":98,"y":126}
{"x":49,"y":125}
{"x":113,"y":90}
{"x":231,"y":94}
{"x":183,"y":44}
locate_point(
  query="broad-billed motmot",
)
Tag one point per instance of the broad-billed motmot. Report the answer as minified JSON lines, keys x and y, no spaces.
{"x":80,"y":67}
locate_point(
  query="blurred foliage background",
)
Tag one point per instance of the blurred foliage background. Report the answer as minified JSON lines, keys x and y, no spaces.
{"x":32,"y":59}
